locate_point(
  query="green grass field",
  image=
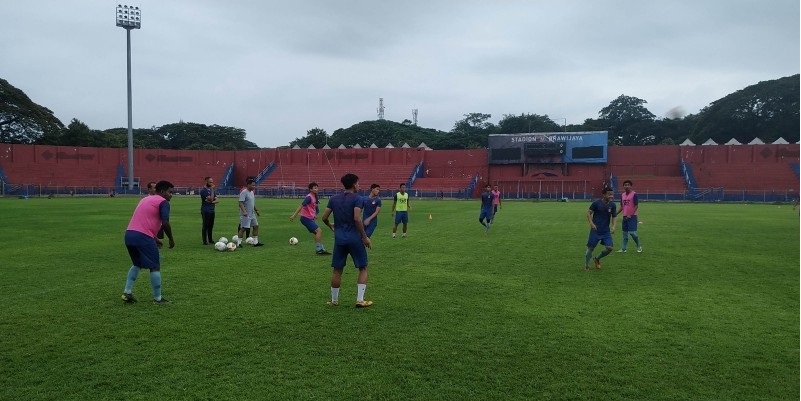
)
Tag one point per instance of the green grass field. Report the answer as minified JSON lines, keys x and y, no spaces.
{"x":709,"y":311}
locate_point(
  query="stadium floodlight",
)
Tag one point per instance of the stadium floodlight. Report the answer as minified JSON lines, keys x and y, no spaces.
{"x":129,"y":17}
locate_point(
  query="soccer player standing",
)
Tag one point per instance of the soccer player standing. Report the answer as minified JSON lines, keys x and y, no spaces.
{"x":400,"y":209}
{"x":372,"y":206}
{"x":629,"y":205}
{"x":248,"y":213}
{"x":496,"y":203}
{"x":602,"y":217}
{"x":487,"y":201}
{"x":308,"y":210}
{"x":151,"y":214}
{"x":208,"y":201}
{"x":349,"y":238}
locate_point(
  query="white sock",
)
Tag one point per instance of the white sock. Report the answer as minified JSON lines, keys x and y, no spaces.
{"x":255,"y":240}
{"x":334,"y":294}
{"x":360,"y":292}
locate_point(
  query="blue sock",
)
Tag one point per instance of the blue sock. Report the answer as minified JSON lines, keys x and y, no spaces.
{"x":133,"y":272}
{"x":602,"y":254}
{"x":625,"y":240}
{"x":587,"y":257}
{"x":155,"y":281}
{"x":636,"y":239}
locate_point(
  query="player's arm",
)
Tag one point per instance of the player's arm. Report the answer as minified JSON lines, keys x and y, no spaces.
{"x":164,"y":212}
{"x":357,"y":218}
{"x":589,"y":220}
{"x":326,"y":215}
{"x":409,"y":204}
{"x":394,"y":202}
{"x":636,"y":204}
{"x":242,"y":209}
{"x":614,"y":221}
{"x":292,"y":218}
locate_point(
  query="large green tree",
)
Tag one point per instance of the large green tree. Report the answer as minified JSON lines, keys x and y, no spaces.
{"x":22,"y":120}
{"x":629,"y":122}
{"x":512,"y":124}
{"x":767,"y":110}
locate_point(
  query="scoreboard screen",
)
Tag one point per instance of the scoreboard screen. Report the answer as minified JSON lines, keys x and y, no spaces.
{"x":548,"y":147}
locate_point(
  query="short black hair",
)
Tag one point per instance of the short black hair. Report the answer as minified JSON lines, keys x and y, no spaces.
{"x":162,"y":186}
{"x":349,"y":180}
{"x":373,"y":186}
{"x":402,"y":185}
{"x":312,"y":185}
{"x":206,"y":178}
{"x":151,"y":184}
{"x":606,"y":189}
{"x":628,"y":181}
{"x":249,"y":181}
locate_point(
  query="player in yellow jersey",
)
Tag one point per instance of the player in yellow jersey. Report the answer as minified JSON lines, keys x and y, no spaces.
{"x":400,"y":209}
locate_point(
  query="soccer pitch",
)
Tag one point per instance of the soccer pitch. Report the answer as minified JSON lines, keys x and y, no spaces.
{"x":709,"y":310}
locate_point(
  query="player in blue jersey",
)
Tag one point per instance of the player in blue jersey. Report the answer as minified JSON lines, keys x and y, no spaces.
{"x":602,"y":217}
{"x":349,"y":238}
{"x":487,"y":211}
{"x":372,"y":206}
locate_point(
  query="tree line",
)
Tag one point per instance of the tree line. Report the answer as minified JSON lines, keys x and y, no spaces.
{"x":767,"y":110}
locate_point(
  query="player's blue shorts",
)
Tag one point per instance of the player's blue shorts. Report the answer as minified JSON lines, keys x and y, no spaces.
{"x":604,"y":238}
{"x":247,"y":222}
{"x":310,"y":224}
{"x":630,"y":224}
{"x":368,"y":229}
{"x":401,"y":217}
{"x":485,"y":214}
{"x":143,"y":250}
{"x":355,"y":248}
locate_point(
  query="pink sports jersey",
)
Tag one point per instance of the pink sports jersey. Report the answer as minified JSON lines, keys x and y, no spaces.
{"x":497,"y":199}
{"x":627,"y":203}
{"x":309,"y":210}
{"x":146,"y":217}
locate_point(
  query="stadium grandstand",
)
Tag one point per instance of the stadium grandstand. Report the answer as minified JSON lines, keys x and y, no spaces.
{"x":547,"y":166}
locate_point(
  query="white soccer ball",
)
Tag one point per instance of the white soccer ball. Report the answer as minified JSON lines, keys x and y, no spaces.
{"x":220,"y":246}
{"x":231,"y":246}
{"x":223,"y":240}
{"x":249,"y":241}
{"x":293,"y":241}
{"x":235,"y":239}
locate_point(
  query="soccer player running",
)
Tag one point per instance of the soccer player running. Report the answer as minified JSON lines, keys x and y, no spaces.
{"x":349,"y":238}
{"x":629,"y":205}
{"x":487,"y":212}
{"x":308,"y":210}
{"x":248,"y":213}
{"x":208,"y":201}
{"x":372,"y":206}
{"x":151,"y":214}
{"x":400,"y":209}
{"x":601,"y":213}
{"x":496,"y":203}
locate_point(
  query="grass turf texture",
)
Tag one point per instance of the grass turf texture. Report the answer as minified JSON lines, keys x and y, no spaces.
{"x":709,"y":311}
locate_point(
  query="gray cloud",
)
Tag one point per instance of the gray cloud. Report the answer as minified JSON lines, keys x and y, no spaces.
{"x":278,"y":69}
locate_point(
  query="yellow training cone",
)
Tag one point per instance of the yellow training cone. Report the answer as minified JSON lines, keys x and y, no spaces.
{"x":429,"y":216}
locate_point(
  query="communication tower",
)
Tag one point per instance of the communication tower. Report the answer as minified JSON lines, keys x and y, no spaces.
{"x":414,"y":117}
{"x":381,"y":108}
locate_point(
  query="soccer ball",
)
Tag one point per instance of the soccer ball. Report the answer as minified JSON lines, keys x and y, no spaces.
{"x":220,"y":246}
{"x":249,"y":241}
{"x":235,"y":239}
{"x":293,"y":241}
{"x":231,"y":246}
{"x":223,"y":240}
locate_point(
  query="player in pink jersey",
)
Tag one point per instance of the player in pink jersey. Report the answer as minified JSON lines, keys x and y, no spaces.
{"x":141,"y":238}
{"x":629,"y":204}
{"x":496,"y":201}
{"x":308,"y":210}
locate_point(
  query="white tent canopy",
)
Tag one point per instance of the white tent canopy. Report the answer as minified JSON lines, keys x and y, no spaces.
{"x":709,"y":142}
{"x":756,"y":141}
{"x":687,"y":142}
{"x":733,"y":142}
{"x":780,"y":141}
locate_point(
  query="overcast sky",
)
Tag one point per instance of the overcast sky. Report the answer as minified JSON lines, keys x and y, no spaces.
{"x":277,"y":69}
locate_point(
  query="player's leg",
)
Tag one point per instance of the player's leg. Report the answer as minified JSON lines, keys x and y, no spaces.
{"x":254,"y":225}
{"x":211,"y":228}
{"x":359,"y":254}
{"x":633,"y":224}
{"x":337,"y":265}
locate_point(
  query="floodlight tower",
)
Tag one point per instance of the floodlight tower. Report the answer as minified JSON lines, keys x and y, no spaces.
{"x":381,"y":108}
{"x":414,"y":117}
{"x":129,"y":17}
